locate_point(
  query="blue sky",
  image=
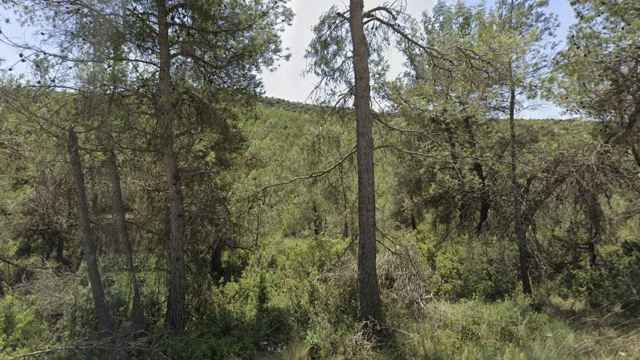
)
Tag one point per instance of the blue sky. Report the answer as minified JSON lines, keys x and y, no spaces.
{"x":287,"y":81}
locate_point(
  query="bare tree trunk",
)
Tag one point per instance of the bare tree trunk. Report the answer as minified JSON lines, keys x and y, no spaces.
{"x":596,"y":216}
{"x":317,"y":220}
{"x":119,"y":215}
{"x":215,"y":263}
{"x":60,"y":249}
{"x":176,"y":300}
{"x":519,"y":226}
{"x":88,"y":240}
{"x":345,"y":209}
{"x":636,"y":154}
{"x":62,"y":261}
{"x":369,"y":293}
{"x":485,"y":205}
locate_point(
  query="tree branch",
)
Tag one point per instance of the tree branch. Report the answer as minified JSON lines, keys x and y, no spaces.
{"x":396,"y":29}
{"x":369,"y":14}
{"x":313,"y":175}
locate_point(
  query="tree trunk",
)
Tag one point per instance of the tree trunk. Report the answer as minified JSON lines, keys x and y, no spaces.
{"x":317,"y":220}
{"x":63,"y":261}
{"x":118,"y":209}
{"x":60,"y":249}
{"x":345,"y":209}
{"x":478,"y":169}
{"x":519,"y":226}
{"x":636,"y":154}
{"x":596,"y":216}
{"x":176,"y":300}
{"x":215,"y":263}
{"x":88,"y":240}
{"x":369,"y":293}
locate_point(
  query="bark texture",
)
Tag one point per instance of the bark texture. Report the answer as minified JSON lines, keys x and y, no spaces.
{"x":595,"y":215}
{"x":88,"y":241}
{"x":119,"y":216}
{"x":478,"y":169}
{"x":520,"y":228}
{"x":369,"y":293}
{"x":176,"y":299}
{"x":215,"y":262}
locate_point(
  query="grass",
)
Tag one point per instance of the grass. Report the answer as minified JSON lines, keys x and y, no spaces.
{"x":508,"y":330}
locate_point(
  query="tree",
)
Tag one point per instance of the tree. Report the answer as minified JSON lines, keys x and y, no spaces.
{"x":598,"y":75}
{"x":343,"y":75}
{"x":119,"y":215}
{"x":490,"y":63}
{"x":528,"y":28}
{"x":369,"y":293}
{"x":447,"y":102}
{"x":88,"y":239}
{"x":166,"y":121}
{"x":347,"y":71}
{"x":598,"y":72}
{"x":177,"y":54}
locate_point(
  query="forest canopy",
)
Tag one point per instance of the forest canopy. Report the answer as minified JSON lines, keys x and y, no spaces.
{"x":155,"y":203}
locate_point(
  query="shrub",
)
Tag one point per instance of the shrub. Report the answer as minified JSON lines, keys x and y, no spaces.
{"x":614,"y":282}
{"x":477,"y":330}
{"x":21,"y":329}
{"x":465,"y":269}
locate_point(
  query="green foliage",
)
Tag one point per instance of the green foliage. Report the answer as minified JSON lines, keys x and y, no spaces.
{"x":596,"y":69}
{"x":501,"y":330}
{"x":295,"y":299}
{"x":21,"y":329}
{"x":284,"y":296}
{"x":464,"y":269}
{"x":613,"y":283}
{"x":275,"y":183}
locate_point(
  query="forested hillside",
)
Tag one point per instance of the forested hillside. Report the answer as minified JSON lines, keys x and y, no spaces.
{"x":155,"y":204}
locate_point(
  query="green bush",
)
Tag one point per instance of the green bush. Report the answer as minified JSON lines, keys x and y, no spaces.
{"x":297,"y":299}
{"x":465,"y":269}
{"x":615,"y":281}
{"x":291,"y":291}
{"x":21,"y":328}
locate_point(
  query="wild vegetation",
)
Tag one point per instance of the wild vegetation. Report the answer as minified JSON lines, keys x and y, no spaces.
{"x":154,"y":204}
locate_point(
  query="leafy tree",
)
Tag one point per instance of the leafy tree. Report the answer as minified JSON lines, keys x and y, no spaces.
{"x":446,"y":103}
{"x":349,"y":72}
{"x":88,"y":239}
{"x":490,"y":62}
{"x":528,"y":29}
{"x":598,"y":72}
{"x":178,"y":53}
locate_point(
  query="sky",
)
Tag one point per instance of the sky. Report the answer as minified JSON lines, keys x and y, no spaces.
{"x":288,"y":81}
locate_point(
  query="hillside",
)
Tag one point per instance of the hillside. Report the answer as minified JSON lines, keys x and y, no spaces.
{"x":154,"y":204}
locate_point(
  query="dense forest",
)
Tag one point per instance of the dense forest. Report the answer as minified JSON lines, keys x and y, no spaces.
{"x":156,"y":204}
